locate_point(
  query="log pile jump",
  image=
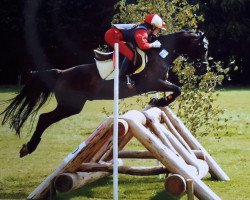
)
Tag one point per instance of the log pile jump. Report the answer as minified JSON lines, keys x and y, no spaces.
{"x":165,"y":138}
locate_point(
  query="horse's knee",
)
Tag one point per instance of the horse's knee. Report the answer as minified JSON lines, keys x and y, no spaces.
{"x":177,"y":91}
{"x":174,"y":95}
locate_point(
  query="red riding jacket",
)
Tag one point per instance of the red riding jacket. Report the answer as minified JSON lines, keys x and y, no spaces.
{"x":114,"y":35}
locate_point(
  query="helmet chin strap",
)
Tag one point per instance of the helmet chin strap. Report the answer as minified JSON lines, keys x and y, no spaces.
{"x":153,"y":31}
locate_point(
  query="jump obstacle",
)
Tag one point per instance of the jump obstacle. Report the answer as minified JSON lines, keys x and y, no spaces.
{"x":184,"y":161}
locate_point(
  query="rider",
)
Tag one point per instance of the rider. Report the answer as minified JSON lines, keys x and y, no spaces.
{"x":138,"y":36}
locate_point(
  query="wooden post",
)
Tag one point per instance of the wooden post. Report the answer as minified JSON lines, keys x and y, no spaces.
{"x":107,"y":144}
{"x":124,"y":137}
{"x":66,"y":182}
{"x":175,"y":185}
{"x":131,"y":170}
{"x":52,"y":191}
{"x":72,"y":161}
{"x":70,"y":181}
{"x":190,"y":189}
{"x":170,"y":160}
{"x":151,"y":116}
{"x":160,"y":129}
{"x":142,"y":154}
{"x":122,"y":142}
{"x":175,"y":133}
{"x":94,"y":151}
{"x":199,"y":154}
{"x":195,"y":145}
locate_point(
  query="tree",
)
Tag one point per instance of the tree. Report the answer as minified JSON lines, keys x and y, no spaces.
{"x":177,"y":14}
{"x":11,"y":27}
{"x":227,"y":24}
{"x":50,"y":34}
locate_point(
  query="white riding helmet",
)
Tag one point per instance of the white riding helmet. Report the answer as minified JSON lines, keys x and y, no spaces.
{"x":155,"y":20}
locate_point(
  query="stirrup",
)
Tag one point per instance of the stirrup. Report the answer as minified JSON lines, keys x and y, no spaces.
{"x":130,"y":83}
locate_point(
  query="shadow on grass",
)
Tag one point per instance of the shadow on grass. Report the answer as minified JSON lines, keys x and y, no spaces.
{"x":87,"y":191}
{"x":163,"y":196}
{"x":9,"y":88}
{"x":210,"y":178}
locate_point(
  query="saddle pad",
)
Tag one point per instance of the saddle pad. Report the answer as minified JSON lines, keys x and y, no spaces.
{"x":106,"y":68}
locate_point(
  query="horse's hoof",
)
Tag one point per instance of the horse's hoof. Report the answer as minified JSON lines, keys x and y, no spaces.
{"x":24,"y":151}
{"x":153,"y":102}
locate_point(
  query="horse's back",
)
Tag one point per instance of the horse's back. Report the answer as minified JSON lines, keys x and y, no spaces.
{"x":78,"y":78}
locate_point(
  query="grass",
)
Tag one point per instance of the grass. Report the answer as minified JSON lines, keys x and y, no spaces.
{"x":19,"y":177}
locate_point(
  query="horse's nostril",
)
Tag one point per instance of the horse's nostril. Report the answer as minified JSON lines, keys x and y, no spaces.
{"x":197,"y":64}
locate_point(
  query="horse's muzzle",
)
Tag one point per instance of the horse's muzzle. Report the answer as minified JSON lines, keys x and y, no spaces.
{"x":201,"y":67}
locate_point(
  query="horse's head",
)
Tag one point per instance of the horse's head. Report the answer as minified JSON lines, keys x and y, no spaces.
{"x":195,"y":48}
{"x":191,"y":45}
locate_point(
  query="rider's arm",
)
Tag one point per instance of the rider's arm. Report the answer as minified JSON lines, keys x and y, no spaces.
{"x":141,"y":38}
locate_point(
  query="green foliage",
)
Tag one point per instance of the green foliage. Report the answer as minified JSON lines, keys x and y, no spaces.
{"x":177,"y":14}
{"x":227,"y":23}
{"x":196,"y":104}
{"x":132,"y":13}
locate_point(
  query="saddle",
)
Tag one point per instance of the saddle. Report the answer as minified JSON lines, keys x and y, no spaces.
{"x":105,"y":66}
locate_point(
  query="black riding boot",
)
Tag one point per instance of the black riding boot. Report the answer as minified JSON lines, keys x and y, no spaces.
{"x":123,"y":71}
{"x":124,"y":67}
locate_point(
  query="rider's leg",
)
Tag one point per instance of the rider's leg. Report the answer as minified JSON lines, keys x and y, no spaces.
{"x":124,"y":71}
{"x":113,"y":36}
{"x":126,"y":63}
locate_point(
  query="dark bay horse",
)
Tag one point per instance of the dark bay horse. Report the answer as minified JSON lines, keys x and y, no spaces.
{"x":74,"y":86}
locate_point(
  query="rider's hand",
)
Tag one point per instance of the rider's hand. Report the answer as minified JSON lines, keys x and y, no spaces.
{"x":156,"y":44}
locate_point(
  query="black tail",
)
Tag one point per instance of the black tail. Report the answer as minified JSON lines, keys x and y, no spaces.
{"x":31,"y":98}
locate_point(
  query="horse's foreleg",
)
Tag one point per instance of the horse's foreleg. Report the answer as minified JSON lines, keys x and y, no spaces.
{"x":166,"y":86}
{"x":45,"y":120}
{"x":176,"y":91}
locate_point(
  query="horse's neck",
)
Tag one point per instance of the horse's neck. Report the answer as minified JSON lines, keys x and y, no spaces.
{"x":172,"y":42}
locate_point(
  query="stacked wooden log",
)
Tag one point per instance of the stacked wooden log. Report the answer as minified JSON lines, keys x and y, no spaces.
{"x":166,"y":139}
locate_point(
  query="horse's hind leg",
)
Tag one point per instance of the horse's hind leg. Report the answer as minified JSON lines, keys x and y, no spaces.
{"x":45,"y":120}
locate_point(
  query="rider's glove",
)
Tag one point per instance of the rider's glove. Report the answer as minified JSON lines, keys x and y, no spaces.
{"x":156,"y":44}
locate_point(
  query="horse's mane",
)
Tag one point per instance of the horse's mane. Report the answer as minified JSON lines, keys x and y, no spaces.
{"x":179,"y":34}
{"x":171,"y":38}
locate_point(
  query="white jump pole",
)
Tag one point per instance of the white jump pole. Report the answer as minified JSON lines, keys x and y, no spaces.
{"x":116,"y":114}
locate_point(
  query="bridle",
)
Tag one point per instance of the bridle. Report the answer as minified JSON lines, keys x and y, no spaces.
{"x":197,"y":62}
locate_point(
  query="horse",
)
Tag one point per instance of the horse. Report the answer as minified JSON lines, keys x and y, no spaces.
{"x":74,"y":86}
